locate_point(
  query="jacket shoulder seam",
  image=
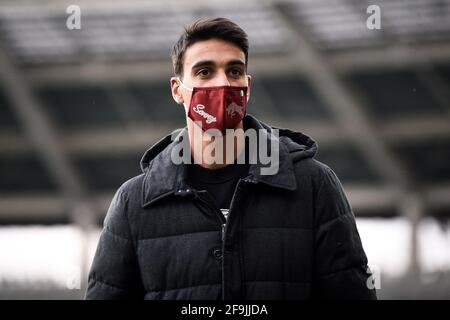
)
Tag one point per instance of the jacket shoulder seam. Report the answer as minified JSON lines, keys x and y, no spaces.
{"x":330,"y":221}
{"x":97,"y":280}
{"x":107,"y":229}
{"x":342,"y":270}
{"x":183,"y":288}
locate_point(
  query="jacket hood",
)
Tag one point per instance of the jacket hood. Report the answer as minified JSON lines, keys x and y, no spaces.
{"x":163,"y":177}
{"x":299,"y":145}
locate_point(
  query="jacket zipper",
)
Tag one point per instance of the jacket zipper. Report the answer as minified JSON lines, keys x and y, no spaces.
{"x":218,"y":212}
{"x":225,"y":225}
{"x":223,"y":220}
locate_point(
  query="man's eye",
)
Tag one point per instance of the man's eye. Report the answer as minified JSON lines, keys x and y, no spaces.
{"x":235,"y":72}
{"x":203,"y":72}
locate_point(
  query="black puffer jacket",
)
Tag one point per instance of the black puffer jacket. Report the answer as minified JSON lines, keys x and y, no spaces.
{"x":291,"y":235}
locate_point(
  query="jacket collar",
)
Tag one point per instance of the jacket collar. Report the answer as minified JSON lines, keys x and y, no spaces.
{"x":162,"y":177}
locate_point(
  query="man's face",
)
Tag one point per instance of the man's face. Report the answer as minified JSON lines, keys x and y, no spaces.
{"x":210,"y":63}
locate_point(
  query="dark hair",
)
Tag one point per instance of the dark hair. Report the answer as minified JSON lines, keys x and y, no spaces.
{"x":205,"y":29}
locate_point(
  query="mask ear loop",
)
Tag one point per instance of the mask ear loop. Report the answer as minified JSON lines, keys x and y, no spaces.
{"x":185,"y":86}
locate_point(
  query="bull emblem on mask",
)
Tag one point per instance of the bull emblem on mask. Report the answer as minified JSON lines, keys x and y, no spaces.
{"x":234,"y":108}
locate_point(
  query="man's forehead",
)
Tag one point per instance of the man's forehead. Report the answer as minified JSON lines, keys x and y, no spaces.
{"x":213,"y":50}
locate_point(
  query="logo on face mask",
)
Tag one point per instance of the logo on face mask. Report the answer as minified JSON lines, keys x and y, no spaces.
{"x":233,"y":108}
{"x":199,"y":109}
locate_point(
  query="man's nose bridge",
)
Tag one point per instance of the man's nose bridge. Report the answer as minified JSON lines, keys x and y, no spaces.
{"x":223,"y":78}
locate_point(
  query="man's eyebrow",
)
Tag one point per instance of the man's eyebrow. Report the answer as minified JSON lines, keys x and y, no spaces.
{"x":209,"y":63}
{"x":203,"y":63}
{"x":236,"y":62}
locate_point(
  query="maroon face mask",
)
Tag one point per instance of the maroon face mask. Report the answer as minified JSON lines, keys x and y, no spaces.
{"x":219,"y":108}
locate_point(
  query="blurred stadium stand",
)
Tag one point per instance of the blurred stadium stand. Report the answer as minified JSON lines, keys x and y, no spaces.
{"x":79,"y":107}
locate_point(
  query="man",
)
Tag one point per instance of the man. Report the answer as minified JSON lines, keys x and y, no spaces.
{"x":216,"y":225}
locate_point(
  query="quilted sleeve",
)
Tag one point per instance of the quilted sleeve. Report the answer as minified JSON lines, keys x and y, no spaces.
{"x":114,"y":273}
{"x":340,"y":263}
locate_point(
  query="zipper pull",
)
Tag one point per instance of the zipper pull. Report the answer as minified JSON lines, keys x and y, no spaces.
{"x":223,"y":232}
{"x":250,"y":180}
{"x":184,"y":193}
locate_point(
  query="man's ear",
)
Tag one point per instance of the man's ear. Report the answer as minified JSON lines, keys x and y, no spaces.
{"x":176,"y":92}
{"x":249,"y":85}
